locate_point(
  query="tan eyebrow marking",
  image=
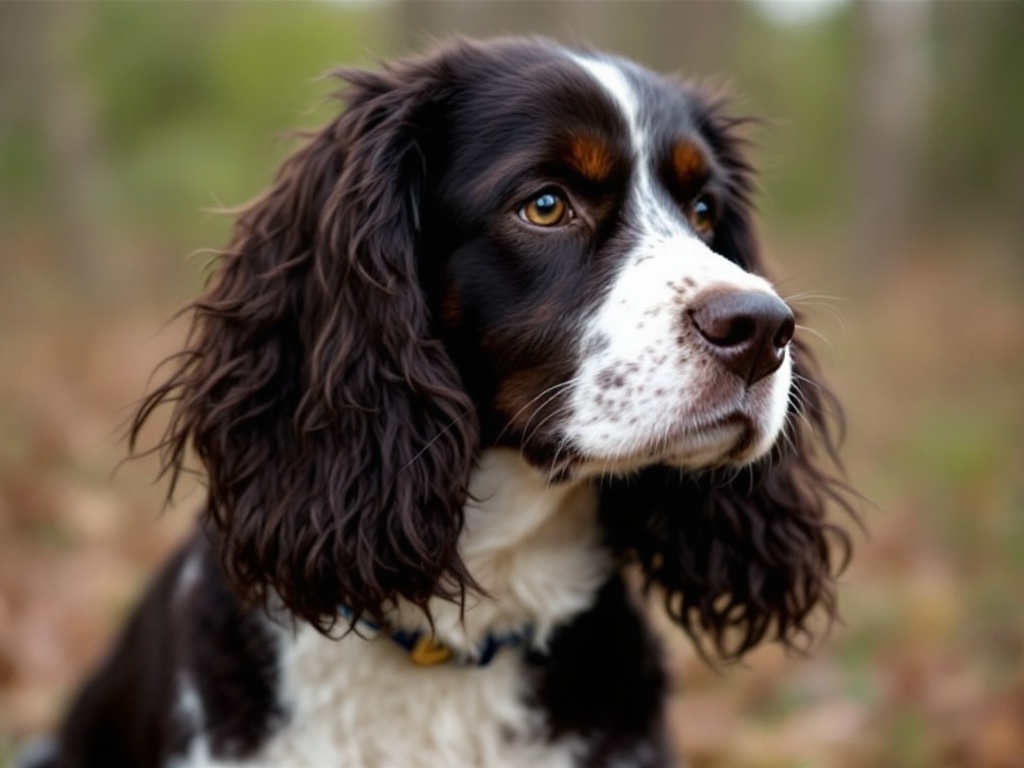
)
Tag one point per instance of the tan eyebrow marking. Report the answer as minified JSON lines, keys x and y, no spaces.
{"x":591,"y":157}
{"x":690,"y":165}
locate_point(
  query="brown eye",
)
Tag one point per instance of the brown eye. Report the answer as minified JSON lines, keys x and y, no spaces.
{"x":547,"y":209}
{"x":702,"y":215}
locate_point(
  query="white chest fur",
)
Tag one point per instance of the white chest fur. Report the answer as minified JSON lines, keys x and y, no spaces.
{"x":356,"y":703}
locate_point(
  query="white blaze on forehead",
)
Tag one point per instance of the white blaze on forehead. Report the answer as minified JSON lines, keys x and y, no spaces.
{"x":651,"y":212}
{"x":614,"y":81}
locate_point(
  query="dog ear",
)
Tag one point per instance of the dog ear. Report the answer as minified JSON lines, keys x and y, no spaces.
{"x":334,"y":431}
{"x":745,"y":556}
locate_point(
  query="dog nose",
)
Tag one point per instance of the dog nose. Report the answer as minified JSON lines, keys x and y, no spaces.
{"x":748,"y":331}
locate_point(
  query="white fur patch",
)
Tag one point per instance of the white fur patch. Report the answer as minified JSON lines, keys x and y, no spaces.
{"x":648,"y":389}
{"x":358,"y":703}
{"x":188,"y":576}
{"x":189,"y":708}
{"x":534,"y":547}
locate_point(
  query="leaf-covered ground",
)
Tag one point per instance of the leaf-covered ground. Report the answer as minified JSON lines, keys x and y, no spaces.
{"x":927,"y":670}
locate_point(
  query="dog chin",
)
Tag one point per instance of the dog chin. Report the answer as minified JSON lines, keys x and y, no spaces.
{"x":735,"y":443}
{"x":742,"y":449}
{"x":732,"y":441}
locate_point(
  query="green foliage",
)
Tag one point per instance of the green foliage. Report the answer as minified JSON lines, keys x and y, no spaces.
{"x":909,"y":740}
{"x":800,"y":80}
{"x":975,"y":153}
{"x":190,"y":99}
{"x":23,"y":164}
{"x":193,"y":98}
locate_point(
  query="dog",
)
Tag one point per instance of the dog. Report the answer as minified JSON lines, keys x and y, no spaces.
{"x":496,"y":336}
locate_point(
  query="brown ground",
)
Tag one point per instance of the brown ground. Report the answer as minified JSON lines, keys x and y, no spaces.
{"x":927,"y":670}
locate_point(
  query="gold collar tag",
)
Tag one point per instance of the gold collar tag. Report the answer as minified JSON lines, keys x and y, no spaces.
{"x":428,"y":652}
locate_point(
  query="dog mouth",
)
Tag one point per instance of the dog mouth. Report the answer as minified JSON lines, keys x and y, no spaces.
{"x":708,"y":442}
{"x":716,"y":441}
{"x":699,"y":443}
{"x":720,"y":427}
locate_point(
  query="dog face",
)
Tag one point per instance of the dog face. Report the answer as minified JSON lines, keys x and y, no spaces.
{"x":506,"y":244}
{"x":588,"y":221}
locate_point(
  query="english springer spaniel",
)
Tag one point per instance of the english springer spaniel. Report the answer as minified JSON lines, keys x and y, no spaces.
{"x":493,"y":334}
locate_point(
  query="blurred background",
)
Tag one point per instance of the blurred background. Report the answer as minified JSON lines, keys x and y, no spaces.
{"x":891,"y":208}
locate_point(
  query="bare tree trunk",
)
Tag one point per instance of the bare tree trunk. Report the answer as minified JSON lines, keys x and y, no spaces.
{"x":72,"y":133}
{"x":890,"y":104}
{"x":579,"y":22}
{"x":39,"y":76}
{"x":669,"y":36}
{"x":688,"y":37}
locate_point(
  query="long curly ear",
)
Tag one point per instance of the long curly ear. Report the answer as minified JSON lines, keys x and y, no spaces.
{"x":748,"y":555}
{"x":334,"y":430}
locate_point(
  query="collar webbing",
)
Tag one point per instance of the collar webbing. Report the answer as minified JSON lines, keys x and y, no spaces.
{"x":426,"y":650}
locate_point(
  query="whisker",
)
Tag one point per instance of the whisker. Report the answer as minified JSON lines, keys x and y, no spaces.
{"x":557,"y":412}
{"x":555,"y":390}
{"x":807,"y":296}
{"x":814,"y":332}
{"x":434,"y":439}
{"x":823,"y":301}
{"x":563,"y":408}
{"x":799,"y":407}
{"x":797,"y":376}
{"x":554,"y":461}
{"x":787,"y":437}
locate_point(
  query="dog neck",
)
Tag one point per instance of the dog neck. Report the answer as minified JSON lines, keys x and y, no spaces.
{"x":534,"y":547}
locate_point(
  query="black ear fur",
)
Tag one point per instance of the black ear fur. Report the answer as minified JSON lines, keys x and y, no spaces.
{"x":742,"y":556}
{"x":334,"y":430}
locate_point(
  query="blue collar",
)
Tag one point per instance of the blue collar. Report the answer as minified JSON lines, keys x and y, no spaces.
{"x":425,"y":650}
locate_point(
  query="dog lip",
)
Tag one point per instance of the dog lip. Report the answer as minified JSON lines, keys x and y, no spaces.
{"x":700,"y":429}
{"x":705,"y":442}
{"x":714,"y":442}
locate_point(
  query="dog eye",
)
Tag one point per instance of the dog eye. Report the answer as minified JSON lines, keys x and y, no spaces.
{"x":702,"y":215}
{"x":548,"y":209}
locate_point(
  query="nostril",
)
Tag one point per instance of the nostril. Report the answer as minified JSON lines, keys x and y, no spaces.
{"x":738,"y":330}
{"x":722,"y":328}
{"x":785,"y":333}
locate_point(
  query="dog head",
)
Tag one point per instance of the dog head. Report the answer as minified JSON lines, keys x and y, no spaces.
{"x":501,"y":244}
